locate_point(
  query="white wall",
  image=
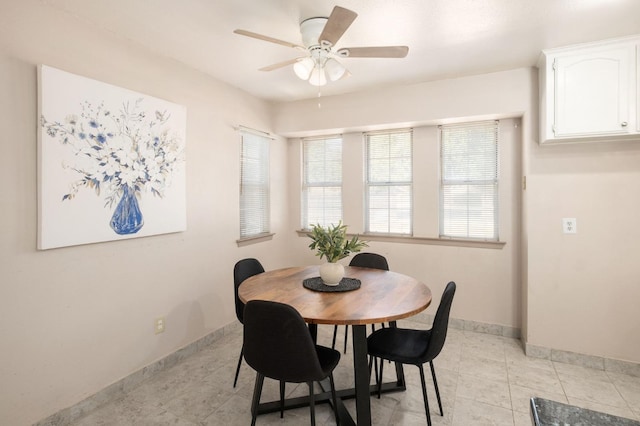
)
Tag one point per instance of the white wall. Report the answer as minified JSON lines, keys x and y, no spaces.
{"x":74,"y":320}
{"x":584,"y":288}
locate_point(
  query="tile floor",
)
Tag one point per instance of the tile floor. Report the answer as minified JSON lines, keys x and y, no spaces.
{"x":483,"y":379}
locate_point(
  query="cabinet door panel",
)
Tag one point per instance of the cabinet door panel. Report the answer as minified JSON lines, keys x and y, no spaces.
{"x":592,"y":92}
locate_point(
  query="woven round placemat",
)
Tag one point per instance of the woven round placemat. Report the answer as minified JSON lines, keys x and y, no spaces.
{"x":346,"y":284}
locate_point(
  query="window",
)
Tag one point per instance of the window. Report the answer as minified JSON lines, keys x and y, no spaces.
{"x":254,"y":185}
{"x":322,"y":181}
{"x":469,"y":181}
{"x":388,"y":182}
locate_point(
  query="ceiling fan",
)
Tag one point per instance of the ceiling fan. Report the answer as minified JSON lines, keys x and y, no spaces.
{"x":319,"y":36}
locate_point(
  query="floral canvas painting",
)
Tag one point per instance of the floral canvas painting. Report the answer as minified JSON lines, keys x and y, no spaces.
{"x":111,"y":162}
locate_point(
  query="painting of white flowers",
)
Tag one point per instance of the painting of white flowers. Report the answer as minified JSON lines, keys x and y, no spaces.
{"x":111,"y":162}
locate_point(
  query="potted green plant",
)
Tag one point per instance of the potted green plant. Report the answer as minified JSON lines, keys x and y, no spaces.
{"x":333,"y":244}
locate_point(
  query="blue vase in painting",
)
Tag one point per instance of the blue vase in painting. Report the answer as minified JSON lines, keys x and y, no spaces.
{"x":127,"y":217}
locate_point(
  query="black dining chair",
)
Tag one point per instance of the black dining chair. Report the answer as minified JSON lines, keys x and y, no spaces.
{"x":415,"y":347}
{"x":278,"y":344}
{"x":362,"y":260}
{"x":242,"y":270}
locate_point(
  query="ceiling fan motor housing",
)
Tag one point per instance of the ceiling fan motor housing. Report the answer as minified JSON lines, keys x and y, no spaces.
{"x":311,"y":29}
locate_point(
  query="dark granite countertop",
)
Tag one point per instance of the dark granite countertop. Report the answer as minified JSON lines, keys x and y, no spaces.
{"x":551,"y":413}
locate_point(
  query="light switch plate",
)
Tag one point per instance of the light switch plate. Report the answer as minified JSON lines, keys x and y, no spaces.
{"x":569,"y":225}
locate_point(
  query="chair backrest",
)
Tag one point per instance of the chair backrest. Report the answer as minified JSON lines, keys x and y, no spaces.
{"x":440,"y":322}
{"x":370,"y":260}
{"x":244,"y":269}
{"x":278,"y":344}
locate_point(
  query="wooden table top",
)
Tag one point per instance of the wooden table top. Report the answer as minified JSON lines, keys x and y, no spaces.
{"x":383,"y":295}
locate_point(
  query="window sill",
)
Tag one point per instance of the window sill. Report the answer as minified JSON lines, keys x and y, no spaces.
{"x":254,"y":239}
{"x":423,"y":240}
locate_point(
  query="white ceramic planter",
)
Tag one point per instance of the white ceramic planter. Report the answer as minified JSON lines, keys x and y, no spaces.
{"x":331,"y":273}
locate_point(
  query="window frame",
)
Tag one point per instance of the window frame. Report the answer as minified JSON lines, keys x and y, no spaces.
{"x":306,"y":185}
{"x":369,"y":183}
{"x":254,"y":191}
{"x":493,"y":127}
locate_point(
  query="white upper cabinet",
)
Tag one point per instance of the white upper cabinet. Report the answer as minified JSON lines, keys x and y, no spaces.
{"x":590,"y":92}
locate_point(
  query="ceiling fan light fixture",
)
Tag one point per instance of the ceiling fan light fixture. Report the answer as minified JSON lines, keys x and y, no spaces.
{"x":334,"y":69}
{"x":318,"y":77}
{"x":303,"y":68}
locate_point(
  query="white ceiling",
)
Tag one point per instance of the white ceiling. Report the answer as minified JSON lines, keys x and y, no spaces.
{"x":446,"y":38}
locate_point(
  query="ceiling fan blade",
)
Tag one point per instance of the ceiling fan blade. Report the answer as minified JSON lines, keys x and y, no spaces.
{"x":339,"y":20}
{"x":280,"y":64}
{"x":269,"y":39}
{"x":374,"y":52}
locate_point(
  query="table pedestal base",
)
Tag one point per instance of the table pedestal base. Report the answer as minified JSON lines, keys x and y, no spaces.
{"x":325,"y":398}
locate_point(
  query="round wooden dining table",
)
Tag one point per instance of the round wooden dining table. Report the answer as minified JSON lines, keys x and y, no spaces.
{"x":383,"y":296}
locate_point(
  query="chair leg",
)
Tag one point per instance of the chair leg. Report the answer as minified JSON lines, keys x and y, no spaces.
{"x":380,"y":379}
{"x":376,"y":363}
{"x":435,"y":384}
{"x":346,"y":334}
{"x":312,"y":405}
{"x":335,"y":399}
{"x":335,"y":333}
{"x":282,"y":384}
{"x":375,"y":360}
{"x":257,"y":391}
{"x":235,"y":380}
{"x":424,"y":394}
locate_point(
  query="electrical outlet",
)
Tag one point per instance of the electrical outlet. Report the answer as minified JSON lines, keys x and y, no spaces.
{"x":159,"y":325}
{"x":569,"y":225}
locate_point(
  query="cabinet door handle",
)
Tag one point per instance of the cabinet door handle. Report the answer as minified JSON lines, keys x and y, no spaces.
{"x":624,"y":124}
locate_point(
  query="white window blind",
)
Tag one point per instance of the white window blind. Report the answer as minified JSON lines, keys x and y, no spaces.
{"x":254,"y":185}
{"x":388,"y":195}
{"x":469,"y":180}
{"x":322,"y":181}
